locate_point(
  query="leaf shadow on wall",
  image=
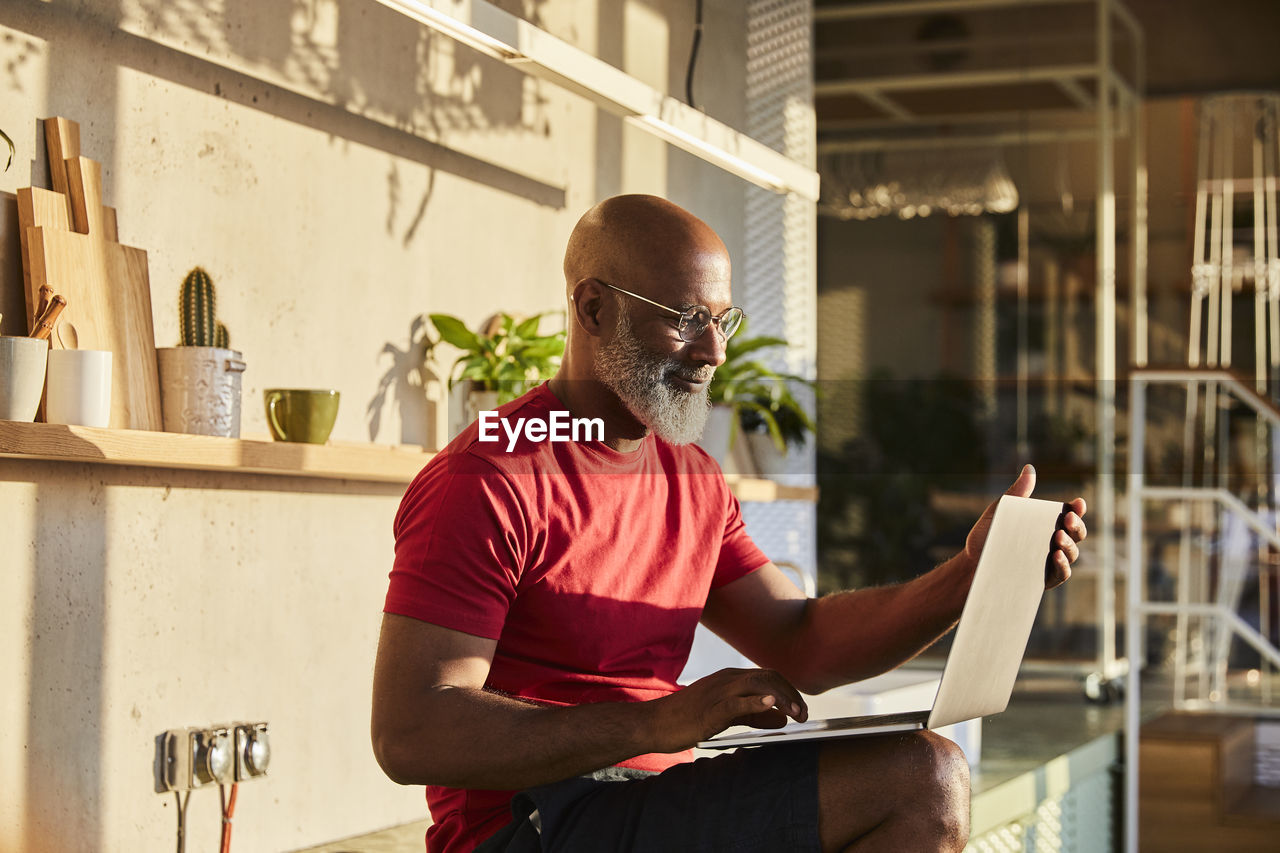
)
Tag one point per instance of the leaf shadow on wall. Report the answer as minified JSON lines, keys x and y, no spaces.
{"x":403,"y":382}
{"x":318,"y":82}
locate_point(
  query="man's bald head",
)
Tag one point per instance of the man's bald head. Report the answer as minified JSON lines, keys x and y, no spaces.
{"x":640,"y":241}
{"x":626,"y":361}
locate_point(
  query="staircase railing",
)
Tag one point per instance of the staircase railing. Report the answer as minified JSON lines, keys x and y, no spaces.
{"x":1234,"y":516}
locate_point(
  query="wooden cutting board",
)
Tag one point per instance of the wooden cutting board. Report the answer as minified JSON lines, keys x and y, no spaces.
{"x":69,"y":242}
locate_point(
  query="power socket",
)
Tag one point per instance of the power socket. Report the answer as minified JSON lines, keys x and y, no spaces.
{"x":187,"y":759}
{"x":253,"y":750}
{"x":213,"y":759}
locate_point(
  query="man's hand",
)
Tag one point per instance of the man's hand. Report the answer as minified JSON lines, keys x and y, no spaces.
{"x":1065,"y":548}
{"x":731,"y":697}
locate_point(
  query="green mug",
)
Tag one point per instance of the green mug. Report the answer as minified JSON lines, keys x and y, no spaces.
{"x":301,"y":414}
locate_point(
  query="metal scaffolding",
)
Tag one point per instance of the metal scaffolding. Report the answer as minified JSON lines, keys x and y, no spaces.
{"x":1096,"y":97}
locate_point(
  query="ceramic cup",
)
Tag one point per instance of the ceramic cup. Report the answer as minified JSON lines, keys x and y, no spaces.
{"x":22,"y":370}
{"x":301,"y":414}
{"x":79,"y":389}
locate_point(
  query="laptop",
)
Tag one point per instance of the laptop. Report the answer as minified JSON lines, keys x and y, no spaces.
{"x":990,"y":640}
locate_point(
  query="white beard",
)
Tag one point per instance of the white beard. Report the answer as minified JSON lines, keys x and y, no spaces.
{"x":638,"y":377}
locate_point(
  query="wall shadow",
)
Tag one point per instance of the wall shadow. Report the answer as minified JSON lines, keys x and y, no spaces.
{"x":13,"y":303}
{"x":610,"y":31}
{"x":64,"y":784}
{"x":395,"y":134}
{"x":403,"y":383}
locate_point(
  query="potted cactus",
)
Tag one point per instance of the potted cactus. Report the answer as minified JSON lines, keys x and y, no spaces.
{"x":200,"y":378}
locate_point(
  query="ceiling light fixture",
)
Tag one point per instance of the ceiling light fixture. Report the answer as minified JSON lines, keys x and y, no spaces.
{"x":712,"y":154}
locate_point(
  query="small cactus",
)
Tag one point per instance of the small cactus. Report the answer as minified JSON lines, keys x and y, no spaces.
{"x":197,"y":323}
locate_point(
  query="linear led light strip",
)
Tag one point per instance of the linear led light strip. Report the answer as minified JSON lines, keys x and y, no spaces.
{"x":518,"y":43}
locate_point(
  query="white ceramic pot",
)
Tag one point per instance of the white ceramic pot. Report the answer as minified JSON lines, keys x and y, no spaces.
{"x":764,"y":454}
{"x":480,"y":401}
{"x":717,"y":432}
{"x":719,"y":441}
{"x":200,"y":390}
{"x":22,"y":371}
{"x":79,"y":387}
{"x":466,"y":405}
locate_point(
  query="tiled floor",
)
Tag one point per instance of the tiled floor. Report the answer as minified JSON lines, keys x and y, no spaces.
{"x":1047,"y":718}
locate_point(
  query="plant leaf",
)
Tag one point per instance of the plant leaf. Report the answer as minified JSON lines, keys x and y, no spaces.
{"x":544,"y":349}
{"x":737,"y":349}
{"x":529,"y":328}
{"x":454,"y":331}
{"x":770,"y":422}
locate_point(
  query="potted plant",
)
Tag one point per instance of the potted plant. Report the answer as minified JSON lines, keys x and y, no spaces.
{"x":778,"y":424}
{"x":751,"y":398}
{"x":200,"y":378}
{"x":502,"y":361}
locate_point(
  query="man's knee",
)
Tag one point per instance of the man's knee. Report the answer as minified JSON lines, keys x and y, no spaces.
{"x":920,"y":779}
{"x":944,"y":781}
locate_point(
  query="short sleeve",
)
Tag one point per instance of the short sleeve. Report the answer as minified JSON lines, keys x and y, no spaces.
{"x":461,"y":538}
{"x":739,"y":555}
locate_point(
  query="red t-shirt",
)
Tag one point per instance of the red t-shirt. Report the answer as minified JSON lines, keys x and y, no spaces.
{"x":590,"y":568}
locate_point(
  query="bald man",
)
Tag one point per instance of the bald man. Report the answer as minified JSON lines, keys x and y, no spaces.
{"x":545,"y":594}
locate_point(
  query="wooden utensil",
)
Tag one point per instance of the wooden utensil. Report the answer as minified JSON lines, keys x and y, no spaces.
{"x":67,"y":336}
{"x":69,"y":238}
{"x":44,"y":323}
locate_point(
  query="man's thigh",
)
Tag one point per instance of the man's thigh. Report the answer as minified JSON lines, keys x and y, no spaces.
{"x":763,"y":799}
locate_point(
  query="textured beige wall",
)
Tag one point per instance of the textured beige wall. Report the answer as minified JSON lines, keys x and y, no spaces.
{"x":339,"y":171}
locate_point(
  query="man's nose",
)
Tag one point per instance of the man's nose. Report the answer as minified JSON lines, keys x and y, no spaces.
{"x":709,"y":348}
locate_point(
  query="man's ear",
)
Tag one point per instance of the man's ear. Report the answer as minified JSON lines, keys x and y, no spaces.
{"x":586,"y":302}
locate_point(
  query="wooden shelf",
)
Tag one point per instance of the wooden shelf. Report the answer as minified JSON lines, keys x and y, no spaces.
{"x":757,"y":490}
{"x":367,"y":462}
{"x":335,"y":460}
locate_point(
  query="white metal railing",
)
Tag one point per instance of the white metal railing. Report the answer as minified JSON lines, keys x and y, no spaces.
{"x":1221,"y":612}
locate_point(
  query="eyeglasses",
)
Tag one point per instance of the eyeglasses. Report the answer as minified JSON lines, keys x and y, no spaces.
{"x":693,"y":322}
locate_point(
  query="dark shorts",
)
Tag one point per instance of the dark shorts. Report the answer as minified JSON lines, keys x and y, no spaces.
{"x":763,"y":799}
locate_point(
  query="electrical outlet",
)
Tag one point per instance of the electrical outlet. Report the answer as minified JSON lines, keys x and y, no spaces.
{"x":253,"y":750}
{"x":213,"y":760}
{"x":193,"y":758}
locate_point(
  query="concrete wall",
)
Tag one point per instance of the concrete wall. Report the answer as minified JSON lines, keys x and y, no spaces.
{"x":339,"y":171}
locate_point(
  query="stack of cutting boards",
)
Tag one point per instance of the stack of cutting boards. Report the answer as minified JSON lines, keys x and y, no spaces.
{"x":69,"y":243}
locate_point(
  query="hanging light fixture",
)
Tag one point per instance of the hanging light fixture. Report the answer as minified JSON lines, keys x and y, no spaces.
{"x":914,"y":182}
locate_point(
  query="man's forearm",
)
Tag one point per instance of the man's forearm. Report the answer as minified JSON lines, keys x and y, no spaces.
{"x":849,"y":636}
{"x":469,"y":738}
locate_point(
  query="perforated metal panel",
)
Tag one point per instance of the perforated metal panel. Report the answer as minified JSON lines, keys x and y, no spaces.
{"x":778,"y":284}
{"x":776,"y":280}
{"x":1080,"y":821}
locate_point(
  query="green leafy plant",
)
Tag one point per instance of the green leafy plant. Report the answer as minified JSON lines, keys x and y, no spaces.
{"x":197,"y":324}
{"x":761,"y":398}
{"x":509,"y":357}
